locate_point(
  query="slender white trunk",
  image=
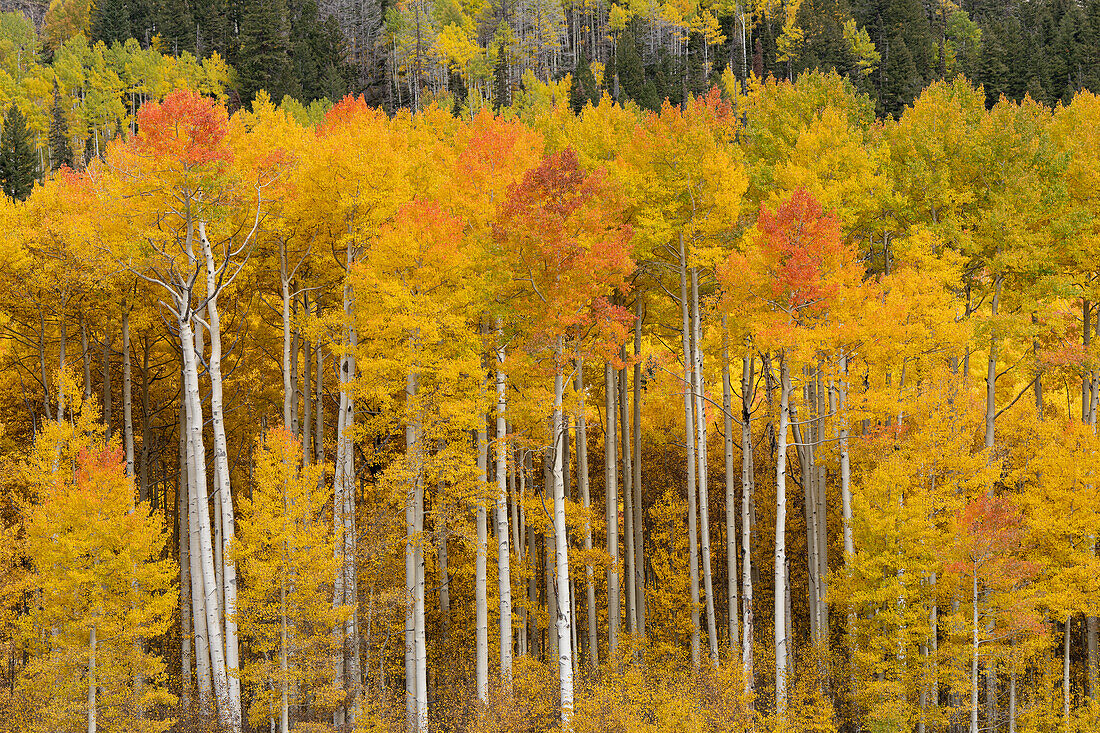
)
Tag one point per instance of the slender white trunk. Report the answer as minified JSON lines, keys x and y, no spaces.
{"x":85,"y":358}
{"x":628,"y":501}
{"x":611,"y":478}
{"x":224,"y":497}
{"x":184,"y":562}
{"x":284,"y":707}
{"x":699,"y":387}
{"x":1066,"y":692}
{"x":419,"y":621}
{"x":991,"y":371}
{"x":481,"y":602}
{"x":209,"y":590}
{"x":582,"y":479}
{"x":284,"y":289}
{"x":731,"y":499}
{"x":127,"y":404}
{"x":974,"y":655}
{"x":689,"y":440}
{"x":565,"y":656}
{"x":412,"y":443}
{"x":91,"y":680}
{"x":203,"y":676}
{"x":504,"y":576}
{"x":636,"y":463}
{"x":781,"y":640}
{"x":747,"y":484}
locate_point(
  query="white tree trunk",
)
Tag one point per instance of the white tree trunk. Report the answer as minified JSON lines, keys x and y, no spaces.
{"x":91,"y":680}
{"x":412,"y":443}
{"x":127,"y":404}
{"x":565,"y":656}
{"x":582,"y":480}
{"x":636,"y":462}
{"x":699,"y":387}
{"x":504,"y":576}
{"x":209,"y":590}
{"x":747,"y":485}
{"x":628,"y":500}
{"x":184,"y":561}
{"x":781,"y":641}
{"x":611,"y":478}
{"x":689,"y":440}
{"x":731,"y":499}
{"x":224,"y":497}
{"x":481,"y":601}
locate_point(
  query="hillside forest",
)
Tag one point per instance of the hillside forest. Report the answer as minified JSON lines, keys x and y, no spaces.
{"x":769,"y":407}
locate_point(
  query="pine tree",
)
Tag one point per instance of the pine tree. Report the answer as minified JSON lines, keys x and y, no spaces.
{"x":111,"y":22}
{"x":17,"y":159}
{"x":61,"y":152}
{"x":583,"y":87}
{"x":265,"y":50}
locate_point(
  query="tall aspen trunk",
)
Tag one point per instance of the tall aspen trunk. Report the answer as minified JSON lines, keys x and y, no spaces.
{"x":747,"y":485}
{"x":582,"y":480}
{"x":639,"y":513}
{"x":61,"y":370}
{"x":295,"y":381}
{"x":504,"y":575}
{"x":781,"y":588}
{"x":481,"y":602}
{"x":184,"y":557}
{"x":974,"y":656}
{"x":127,"y":406}
{"x":699,"y":388}
{"x":224,"y":498}
{"x":284,"y":707}
{"x":689,"y":440}
{"x":628,"y":499}
{"x":564,"y":620}
{"x":92,"y":683}
{"x":1066,"y":692}
{"x":209,"y":590}
{"x":344,"y":589}
{"x":86,"y":358}
{"x":284,"y":290}
{"x":731,"y":500}
{"x":611,"y":479}
{"x":991,"y":371}
{"x":46,"y":409}
{"x":319,"y":408}
{"x":419,"y":618}
{"x":307,"y":396}
{"x":412,"y":452}
{"x":145,"y":489}
{"x":203,"y":675}
{"x":106,"y":383}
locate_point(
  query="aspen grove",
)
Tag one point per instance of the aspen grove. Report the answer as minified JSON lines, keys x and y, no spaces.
{"x":757,"y":413}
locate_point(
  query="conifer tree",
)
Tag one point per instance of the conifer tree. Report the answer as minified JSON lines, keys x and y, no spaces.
{"x":582,"y":89}
{"x":264,"y":57}
{"x":17,"y":163}
{"x":61,"y":152}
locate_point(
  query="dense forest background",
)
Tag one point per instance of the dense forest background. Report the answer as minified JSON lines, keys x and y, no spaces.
{"x":397,"y":52}
{"x":508,"y":368}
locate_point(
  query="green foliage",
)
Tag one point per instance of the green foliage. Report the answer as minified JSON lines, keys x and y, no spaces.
{"x":17,"y":158}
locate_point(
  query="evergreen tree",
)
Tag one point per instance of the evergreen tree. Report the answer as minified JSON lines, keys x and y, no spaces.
{"x":582,"y":89}
{"x":61,"y":152}
{"x":264,"y":57}
{"x":501,"y":97}
{"x":111,"y":22}
{"x":17,"y":159}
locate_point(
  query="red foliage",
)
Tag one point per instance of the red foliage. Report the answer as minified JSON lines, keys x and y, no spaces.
{"x":185,"y":126}
{"x":991,"y":537}
{"x":345,"y":113}
{"x":561,"y":241}
{"x":802,"y":245}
